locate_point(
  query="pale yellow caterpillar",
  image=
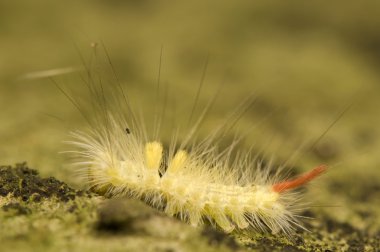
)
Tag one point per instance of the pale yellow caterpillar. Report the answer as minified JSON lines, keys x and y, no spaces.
{"x":195,"y":181}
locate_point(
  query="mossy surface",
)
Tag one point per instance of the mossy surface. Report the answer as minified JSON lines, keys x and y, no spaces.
{"x":61,"y":214}
{"x":25,"y":183}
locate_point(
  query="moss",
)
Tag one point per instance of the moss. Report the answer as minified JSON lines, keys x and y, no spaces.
{"x":324,"y":235}
{"x":17,"y":208}
{"x":21,"y":181}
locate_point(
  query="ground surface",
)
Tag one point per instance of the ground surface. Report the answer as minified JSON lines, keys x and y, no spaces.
{"x":306,"y":62}
{"x":44,"y":205}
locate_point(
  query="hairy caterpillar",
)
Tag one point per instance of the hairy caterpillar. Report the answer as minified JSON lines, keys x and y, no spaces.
{"x":194,"y":181}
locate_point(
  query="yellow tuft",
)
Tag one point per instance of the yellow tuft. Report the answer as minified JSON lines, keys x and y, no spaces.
{"x":153,"y":155}
{"x":178,"y":162}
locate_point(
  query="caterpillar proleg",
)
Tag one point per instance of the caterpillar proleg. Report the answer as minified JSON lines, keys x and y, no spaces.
{"x":195,"y":181}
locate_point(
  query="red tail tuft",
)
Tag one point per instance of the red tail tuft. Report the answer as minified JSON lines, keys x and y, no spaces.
{"x":301,"y":180}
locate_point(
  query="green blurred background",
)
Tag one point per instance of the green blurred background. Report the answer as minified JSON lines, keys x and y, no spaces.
{"x":306,"y":60}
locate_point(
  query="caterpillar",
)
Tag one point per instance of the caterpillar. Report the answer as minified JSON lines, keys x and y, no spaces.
{"x":191,"y":180}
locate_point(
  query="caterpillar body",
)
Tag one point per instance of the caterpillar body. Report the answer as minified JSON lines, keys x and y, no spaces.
{"x":196,"y":185}
{"x":194,"y":181}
